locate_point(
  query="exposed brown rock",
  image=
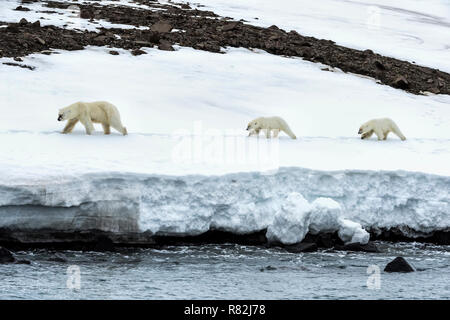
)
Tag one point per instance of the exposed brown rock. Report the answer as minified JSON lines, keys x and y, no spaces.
{"x":204,"y":30}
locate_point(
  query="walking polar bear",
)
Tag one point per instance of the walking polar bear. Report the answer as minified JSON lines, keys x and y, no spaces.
{"x":92,"y":112}
{"x":275,"y":124}
{"x":381,"y":127}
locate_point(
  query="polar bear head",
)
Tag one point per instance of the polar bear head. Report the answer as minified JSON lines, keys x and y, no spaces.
{"x":364,"y":128}
{"x":67,"y":113}
{"x":254,"y":125}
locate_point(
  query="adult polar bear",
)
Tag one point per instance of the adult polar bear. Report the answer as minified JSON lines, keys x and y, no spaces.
{"x":381,"y":127}
{"x":92,"y":112}
{"x":275,"y":124}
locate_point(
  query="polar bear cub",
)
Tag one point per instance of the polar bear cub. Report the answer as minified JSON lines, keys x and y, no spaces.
{"x":269,"y":124}
{"x":92,"y":112}
{"x":381,"y":127}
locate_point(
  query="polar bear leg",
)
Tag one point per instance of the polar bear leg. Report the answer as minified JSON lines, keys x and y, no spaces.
{"x":117,"y":124}
{"x":289,"y":132}
{"x":379,"y":134}
{"x":86,"y":121}
{"x":106,"y":128}
{"x":398,"y":133}
{"x":70,"y":125}
{"x":276,"y":132}
{"x":253,"y":132}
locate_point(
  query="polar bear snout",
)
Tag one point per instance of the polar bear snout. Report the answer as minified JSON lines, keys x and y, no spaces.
{"x":60,"y":117}
{"x":360,"y":131}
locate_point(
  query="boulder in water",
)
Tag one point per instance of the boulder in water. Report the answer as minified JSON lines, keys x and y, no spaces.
{"x":399,"y":264}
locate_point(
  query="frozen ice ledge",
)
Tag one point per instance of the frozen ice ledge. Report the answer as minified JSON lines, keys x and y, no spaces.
{"x":282,"y":207}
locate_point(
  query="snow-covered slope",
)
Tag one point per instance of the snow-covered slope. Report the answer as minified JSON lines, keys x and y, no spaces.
{"x":416,"y":31}
{"x":408,"y":30}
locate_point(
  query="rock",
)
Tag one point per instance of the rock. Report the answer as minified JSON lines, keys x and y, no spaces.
{"x":207,"y":46}
{"x":23,"y":21}
{"x":400,"y":82}
{"x":36,"y":24}
{"x":18,"y":65}
{"x":166,"y":47}
{"x":323,"y":240}
{"x":41,"y":41}
{"x":138,"y":52}
{"x":230,"y":26}
{"x":185,"y":6}
{"x":306,"y":52}
{"x":369,"y":247}
{"x":301,"y":247}
{"x":114,"y":53}
{"x":22,"y":261}
{"x":379,"y":65}
{"x":100,"y":39}
{"x":104,"y":244}
{"x":18,"y":59}
{"x":86,"y":14}
{"x":268,"y":268}
{"x":58,"y":257}
{"x":161,"y":26}
{"x":399,"y":264}
{"x":434,"y":90}
{"x":13,"y":28}
{"x":144,"y":43}
{"x":20,"y":8}
{"x":441,"y":237}
{"x":6,"y":256}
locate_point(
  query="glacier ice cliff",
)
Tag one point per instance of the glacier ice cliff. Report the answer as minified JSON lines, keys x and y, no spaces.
{"x":288,"y":203}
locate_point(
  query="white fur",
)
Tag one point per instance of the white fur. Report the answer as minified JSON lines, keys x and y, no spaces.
{"x":269,"y":124}
{"x":92,"y":112}
{"x":381,"y":127}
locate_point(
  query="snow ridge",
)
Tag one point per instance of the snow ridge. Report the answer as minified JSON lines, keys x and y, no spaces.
{"x":289,"y":203}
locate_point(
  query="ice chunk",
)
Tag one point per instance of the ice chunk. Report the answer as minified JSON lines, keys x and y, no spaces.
{"x":291,"y":224}
{"x":325,"y":216}
{"x":350,"y":232}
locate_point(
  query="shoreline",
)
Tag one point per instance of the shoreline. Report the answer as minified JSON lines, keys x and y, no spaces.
{"x":96,"y":240}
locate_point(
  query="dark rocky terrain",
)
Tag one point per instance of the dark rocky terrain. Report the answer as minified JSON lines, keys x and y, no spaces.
{"x":97,"y":240}
{"x":204,"y":30}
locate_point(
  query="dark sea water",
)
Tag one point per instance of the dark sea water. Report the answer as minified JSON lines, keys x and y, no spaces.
{"x":228,"y":272}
